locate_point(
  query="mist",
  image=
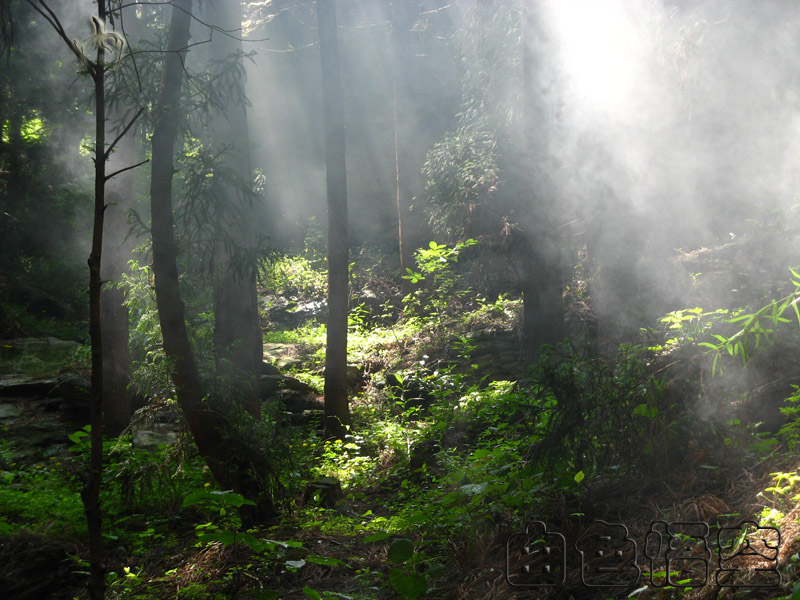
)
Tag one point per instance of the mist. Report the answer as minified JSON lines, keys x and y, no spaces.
{"x":669,"y":126}
{"x":678,"y":120}
{"x":560,"y":215}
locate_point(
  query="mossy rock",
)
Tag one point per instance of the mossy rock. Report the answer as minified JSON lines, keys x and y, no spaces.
{"x":36,"y":356}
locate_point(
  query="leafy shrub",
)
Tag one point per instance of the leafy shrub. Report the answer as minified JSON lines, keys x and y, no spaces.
{"x":600,"y":412}
{"x":461,"y":173}
{"x":440,"y":284}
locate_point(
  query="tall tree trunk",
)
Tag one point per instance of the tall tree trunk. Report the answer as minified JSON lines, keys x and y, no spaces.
{"x":337,"y":408}
{"x":540,"y":252}
{"x":237,"y":330}
{"x":91,"y":490}
{"x":233,"y":465}
{"x":402,"y":19}
{"x":117,"y":250}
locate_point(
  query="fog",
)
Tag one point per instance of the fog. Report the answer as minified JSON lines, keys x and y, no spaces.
{"x":660,"y":127}
{"x":669,"y":125}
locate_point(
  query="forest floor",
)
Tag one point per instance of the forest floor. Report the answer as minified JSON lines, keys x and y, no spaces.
{"x":450,"y":460}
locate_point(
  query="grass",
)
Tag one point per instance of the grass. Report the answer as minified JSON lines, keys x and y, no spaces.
{"x":41,"y":498}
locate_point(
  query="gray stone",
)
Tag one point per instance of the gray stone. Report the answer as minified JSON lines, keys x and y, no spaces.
{"x":287,"y":362}
{"x":147,"y":439}
{"x":269,"y":369}
{"x":26,"y":387}
{"x":9,"y":411}
{"x":35,"y":356}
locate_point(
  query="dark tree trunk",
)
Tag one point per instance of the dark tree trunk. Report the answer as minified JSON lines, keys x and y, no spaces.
{"x":233,"y":465}
{"x":539,"y":245}
{"x":91,"y":490}
{"x":116,"y":358}
{"x":237,"y":330}
{"x":337,"y":409}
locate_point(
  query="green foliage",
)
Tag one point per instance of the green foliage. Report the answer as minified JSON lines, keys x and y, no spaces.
{"x":151,"y":481}
{"x":149,"y":373}
{"x":294,"y":276}
{"x":751,"y":328}
{"x":440,"y":284}
{"x":789,"y":433}
{"x":602,"y":411}
{"x":688,"y":325}
{"x":301,"y":274}
{"x":461,"y":171}
{"x":43,"y":497}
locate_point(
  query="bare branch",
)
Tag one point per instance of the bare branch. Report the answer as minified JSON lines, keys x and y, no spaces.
{"x":115,"y":173}
{"x":51,"y":18}
{"x":122,"y":135}
{"x":226,"y":32}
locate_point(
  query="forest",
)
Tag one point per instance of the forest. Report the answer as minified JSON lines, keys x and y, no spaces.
{"x":416,"y":299}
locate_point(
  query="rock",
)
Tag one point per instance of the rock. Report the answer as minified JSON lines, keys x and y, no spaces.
{"x":287,"y":362}
{"x":289,"y":313}
{"x":291,"y":383}
{"x":327,"y":491}
{"x":269,"y":369}
{"x":270,"y":385}
{"x":9,"y":411}
{"x":297,"y":402}
{"x":76,"y":393}
{"x":35,"y":356}
{"x":26,"y":387}
{"x":273,"y":350}
{"x":305,"y":418}
{"x":151,"y":440}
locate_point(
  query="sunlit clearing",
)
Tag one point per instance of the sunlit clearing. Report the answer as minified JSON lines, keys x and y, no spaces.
{"x":600,"y":49}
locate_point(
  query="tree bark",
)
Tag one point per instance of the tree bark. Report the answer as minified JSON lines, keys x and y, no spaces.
{"x":540,"y":252}
{"x":233,"y":464}
{"x":237,"y":330}
{"x":91,"y":489}
{"x":337,"y":409}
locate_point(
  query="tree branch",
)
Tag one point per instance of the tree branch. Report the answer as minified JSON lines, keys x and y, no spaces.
{"x":122,"y":135}
{"x":51,"y":18}
{"x":115,"y":173}
{"x":227,"y":32}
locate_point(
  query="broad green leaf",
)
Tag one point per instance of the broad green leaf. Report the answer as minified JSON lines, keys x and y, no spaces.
{"x":579,"y":476}
{"x":324,"y":560}
{"x":377,"y":537}
{"x":401,"y":550}
{"x":473,"y":489}
{"x":408,"y":585}
{"x":312,"y":593}
{"x":224,"y":537}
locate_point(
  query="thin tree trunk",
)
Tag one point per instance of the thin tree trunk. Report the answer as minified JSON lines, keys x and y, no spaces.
{"x":233,"y":464}
{"x":91,"y":490}
{"x":401,"y":20}
{"x":337,"y":409}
